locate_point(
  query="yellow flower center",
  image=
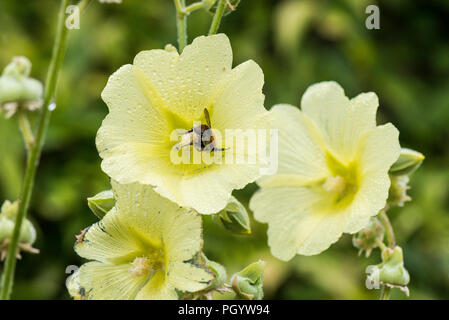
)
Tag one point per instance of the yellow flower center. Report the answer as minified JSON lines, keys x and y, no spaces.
{"x":147,"y":264}
{"x":343,"y":182}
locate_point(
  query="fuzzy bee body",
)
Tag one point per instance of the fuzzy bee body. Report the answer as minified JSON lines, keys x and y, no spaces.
{"x":200,"y":136}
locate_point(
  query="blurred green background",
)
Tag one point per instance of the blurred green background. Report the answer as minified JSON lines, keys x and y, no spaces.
{"x":296,"y":43}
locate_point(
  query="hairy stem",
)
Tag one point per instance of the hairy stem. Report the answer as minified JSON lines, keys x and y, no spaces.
{"x":25,"y":128}
{"x":385,"y":293}
{"x":391,"y":240}
{"x":193,"y":7}
{"x":217,"y":17}
{"x":181,"y":24}
{"x":36,"y":149}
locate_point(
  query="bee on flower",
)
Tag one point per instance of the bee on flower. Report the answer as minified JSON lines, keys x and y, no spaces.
{"x":146,"y":247}
{"x":333,"y":171}
{"x":198,"y":96}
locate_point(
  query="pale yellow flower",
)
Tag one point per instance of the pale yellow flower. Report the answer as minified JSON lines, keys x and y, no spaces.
{"x":163,"y":91}
{"x":333,"y":171}
{"x":144,"y":248}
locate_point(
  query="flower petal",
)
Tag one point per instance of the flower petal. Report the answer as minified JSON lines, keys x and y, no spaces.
{"x":340,"y":120}
{"x":188,"y":276}
{"x":109,"y":240}
{"x":380,"y":149}
{"x":182,"y":234}
{"x":157,"y":288}
{"x":297,"y":222}
{"x":135,"y":125}
{"x":238,"y":100}
{"x":377,"y":152}
{"x":300,"y":154}
{"x":187,"y":82}
{"x":101,"y":281}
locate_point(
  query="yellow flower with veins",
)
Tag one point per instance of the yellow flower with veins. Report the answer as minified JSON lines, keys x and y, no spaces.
{"x":333,"y":170}
{"x":144,"y":248}
{"x":164,"y":92}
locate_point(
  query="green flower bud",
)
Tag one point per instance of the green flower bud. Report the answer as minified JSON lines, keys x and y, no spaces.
{"x":392,"y":270}
{"x":7,"y":221}
{"x":19,"y":67}
{"x":248,"y":283}
{"x":9,"y":209}
{"x":408,"y":161}
{"x":367,"y":239}
{"x":219,"y":272}
{"x":230,"y":6}
{"x":6,"y":228}
{"x":234,"y":217}
{"x":101,"y":203}
{"x":397,"y":194}
{"x":217,"y":285}
{"x":17,"y":89}
{"x":27,"y":232}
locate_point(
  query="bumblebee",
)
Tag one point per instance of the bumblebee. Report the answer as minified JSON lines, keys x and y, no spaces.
{"x":200,"y":136}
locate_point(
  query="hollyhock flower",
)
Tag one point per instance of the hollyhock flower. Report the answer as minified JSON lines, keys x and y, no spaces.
{"x":333,"y":171}
{"x":146,"y":247}
{"x":154,"y":106}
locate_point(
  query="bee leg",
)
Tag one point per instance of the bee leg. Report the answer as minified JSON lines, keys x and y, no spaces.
{"x":180,"y":146}
{"x":211,"y":147}
{"x":197,"y":144}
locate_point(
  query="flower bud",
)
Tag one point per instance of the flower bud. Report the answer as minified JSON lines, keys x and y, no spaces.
{"x":17,"y":89}
{"x":397,"y":194}
{"x":217,"y":285}
{"x":219,"y":272}
{"x":27,"y":235}
{"x":234,"y":217}
{"x":408,"y":161}
{"x":101,"y":203}
{"x":248,"y":283}
{"x":392,"y":269}
{"x":367,"y":239}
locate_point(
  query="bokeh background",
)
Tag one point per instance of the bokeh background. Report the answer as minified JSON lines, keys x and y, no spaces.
{"x":297,"y":43}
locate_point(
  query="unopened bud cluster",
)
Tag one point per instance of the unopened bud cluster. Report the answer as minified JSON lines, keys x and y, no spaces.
{"x":27,"y":232}
{"x":17,"y":89}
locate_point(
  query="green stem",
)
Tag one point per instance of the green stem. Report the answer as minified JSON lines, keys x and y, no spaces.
{"x":381,"y":245}
{"x":385,"y":293}
{"x":181,"y":24}
{"x":25,"y":128}
{"x":388,"y":229}
{"x":217,"y":17}
{"x":193,"y":7}
{"x":35,"y":151}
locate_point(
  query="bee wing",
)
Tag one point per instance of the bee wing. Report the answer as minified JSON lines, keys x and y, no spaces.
{"x":206,"y":115}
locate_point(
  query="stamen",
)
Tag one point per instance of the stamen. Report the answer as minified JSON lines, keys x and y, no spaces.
{"x":335,"y":184}
{"x":140,"y":266}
